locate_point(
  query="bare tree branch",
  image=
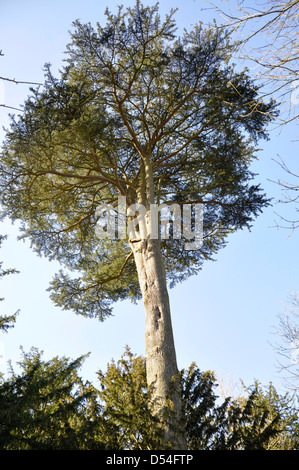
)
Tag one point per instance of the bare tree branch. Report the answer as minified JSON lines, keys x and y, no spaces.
{"x":10,"y":107}
{"x":290,"y":195}
{"x":269,"y":36}
{"x":288,"y":348}
{"x":16,"y":82}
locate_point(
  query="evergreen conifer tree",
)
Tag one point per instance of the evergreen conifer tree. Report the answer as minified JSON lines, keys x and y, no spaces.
{"x":146,"y":116}
{"x":47,"y":406}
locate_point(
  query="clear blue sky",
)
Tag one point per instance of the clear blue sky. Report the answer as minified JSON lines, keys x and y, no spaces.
{"x":224,"y":318}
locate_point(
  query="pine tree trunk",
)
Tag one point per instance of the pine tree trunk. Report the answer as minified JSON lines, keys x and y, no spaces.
{"x":161,"y":364}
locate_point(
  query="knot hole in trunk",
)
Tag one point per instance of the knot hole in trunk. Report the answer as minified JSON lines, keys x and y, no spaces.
{"x":157,"y":317}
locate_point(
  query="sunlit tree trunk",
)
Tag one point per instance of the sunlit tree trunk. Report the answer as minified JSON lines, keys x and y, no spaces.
{"x":161,"y":363}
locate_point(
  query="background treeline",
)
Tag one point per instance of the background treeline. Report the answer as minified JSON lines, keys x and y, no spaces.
{"x":47,"y":405}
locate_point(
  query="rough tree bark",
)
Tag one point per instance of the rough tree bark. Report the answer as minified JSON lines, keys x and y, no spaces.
{"x":161,"y":362}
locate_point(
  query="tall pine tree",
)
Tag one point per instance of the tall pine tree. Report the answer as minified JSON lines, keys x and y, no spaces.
{"x":141,"y":114}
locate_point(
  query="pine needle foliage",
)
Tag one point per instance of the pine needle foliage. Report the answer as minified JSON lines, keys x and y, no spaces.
{"x":47,"y":406}
{"x":132,"y":91}
{"x":6,"y":321}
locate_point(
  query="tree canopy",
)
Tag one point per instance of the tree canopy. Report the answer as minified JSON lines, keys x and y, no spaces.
{"x":47,"y":406}
{"x":131,"y":96}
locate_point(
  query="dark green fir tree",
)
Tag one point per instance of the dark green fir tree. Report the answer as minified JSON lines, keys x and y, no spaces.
{"x":47,"y":406}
